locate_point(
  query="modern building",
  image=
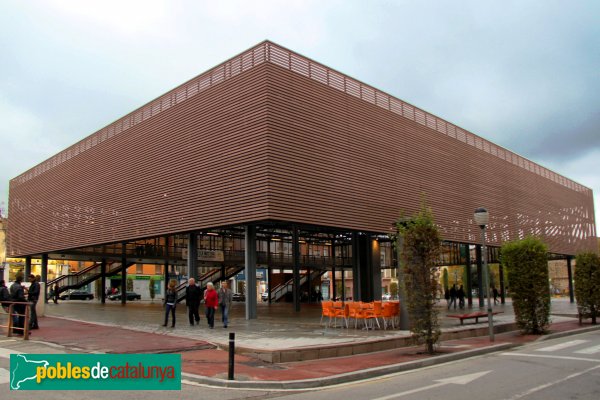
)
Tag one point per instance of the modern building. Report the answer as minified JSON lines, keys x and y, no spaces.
{"x":274,"y":161}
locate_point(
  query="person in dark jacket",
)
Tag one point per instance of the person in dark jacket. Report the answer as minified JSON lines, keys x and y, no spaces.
{"x":225,"y":298}
{"x":4,"y":295}
{"x":33,"y":296}
{"x":460,"y":293}
{"x":170,"y":303}
{"x":17,"y":293}
{"x":192,"y":299}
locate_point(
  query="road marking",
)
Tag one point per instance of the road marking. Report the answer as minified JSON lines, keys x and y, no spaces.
{"x":548,"y":356}
{"x":564,"y":345}
{"x":547,"y":385}
{"x":457,"y":380}
{"x":4,"y":376}
{"x":5,"y":353}
{"x":589,"y":350}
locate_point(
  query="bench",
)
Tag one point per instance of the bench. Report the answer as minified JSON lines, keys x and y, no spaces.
{"x":473,"y":315}
{"x":581,"y":314}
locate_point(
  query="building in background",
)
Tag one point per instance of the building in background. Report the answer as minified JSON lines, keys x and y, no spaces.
{"x":275,"y":162}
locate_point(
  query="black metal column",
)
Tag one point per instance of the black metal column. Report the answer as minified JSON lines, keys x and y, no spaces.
{"x":469,"y":277}
{"x":502,"y":289}
{"x":296,"y":270}
{"x":481,"y":289}
{"x":124,"y":274}
{"x":333,"y":293}
{"x":250,"y":271}
{"x":27,"y":268}
{"x":192,"y":259}
{"x":356,"y":284}
{"x":269,"y":270}
{"x":44,"y":277}
{"x":103,"y":280}
{"x":570,"y":276}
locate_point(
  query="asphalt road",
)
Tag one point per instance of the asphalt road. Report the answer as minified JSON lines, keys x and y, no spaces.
{"x":566,"y":368}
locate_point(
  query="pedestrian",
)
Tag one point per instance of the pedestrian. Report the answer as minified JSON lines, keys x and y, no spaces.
{"x":192,"y":300}
{"x":170,"y":302}
{"x":461,"y":297}
{"x":17,"y":293}
{"x":495,"y":293}
{"x":225,"y":296}
{"x":4,"y":295}
{"x":447,"y":296}
{"x":55,"y":294}
{"x":33,"y":296}
{"x":452,"y":297}
{"x":211,"y":302}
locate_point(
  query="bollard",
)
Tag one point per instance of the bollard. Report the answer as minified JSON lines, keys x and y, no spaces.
{"x":231,"y":355}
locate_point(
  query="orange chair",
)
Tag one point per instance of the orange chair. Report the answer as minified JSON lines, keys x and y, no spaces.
{"x":387,"y":315}
{"x":356,"y":312}
{"x":341,"y":312}
{"x":373,"y":311}
{"x":326,"y":311}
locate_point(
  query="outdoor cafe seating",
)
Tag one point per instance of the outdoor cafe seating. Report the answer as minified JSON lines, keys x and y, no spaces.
{"x":367,"y":315}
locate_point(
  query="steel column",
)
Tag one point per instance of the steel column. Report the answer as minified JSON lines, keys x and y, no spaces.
{"x":124,"y":274}
{"x":570,"y":276}
{"x":296,"y":270}
{"x":250,"y":271}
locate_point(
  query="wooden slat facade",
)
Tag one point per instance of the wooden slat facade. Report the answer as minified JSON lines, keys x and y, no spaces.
{"x":272,"y":135}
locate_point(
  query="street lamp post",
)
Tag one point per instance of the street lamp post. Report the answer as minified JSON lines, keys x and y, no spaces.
{"x":482,"y":218}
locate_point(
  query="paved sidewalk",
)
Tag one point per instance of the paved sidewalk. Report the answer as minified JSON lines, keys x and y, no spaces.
{"x":134,"y":329}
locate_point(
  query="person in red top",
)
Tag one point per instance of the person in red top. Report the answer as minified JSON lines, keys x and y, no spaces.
{"x":211,"y":302}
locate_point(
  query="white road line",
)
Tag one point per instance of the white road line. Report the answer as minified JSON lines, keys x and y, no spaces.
{"x":589,"y":350}
{"x":4,"y":376}
{"x":547,"y":385}
{"x":5,"y":353}
{"x":564,"y":345}
{"x":548,"y":356}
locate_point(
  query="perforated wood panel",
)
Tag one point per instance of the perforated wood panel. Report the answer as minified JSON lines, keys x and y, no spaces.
{"x":270,"y":134}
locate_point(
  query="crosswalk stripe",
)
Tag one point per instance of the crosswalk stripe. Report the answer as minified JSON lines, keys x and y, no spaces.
{"x":564,"y":345}
{"x":589,"y":350}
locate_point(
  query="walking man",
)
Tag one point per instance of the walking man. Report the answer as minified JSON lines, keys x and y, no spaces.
{"x":192,"y":299}
{"x":33,"y":296}
{"x":225,"y":299}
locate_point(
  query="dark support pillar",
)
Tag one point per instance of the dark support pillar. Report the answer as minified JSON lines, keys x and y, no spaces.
{"x":44,"y":277}
{"x":296,"y":268}
{"x":250,"y":271}
{"x":376,"y":268}
{"x":469,"y":277}
{"x":333,"y":293}
{"x":502,"y":288}
{"x":192,"y":259}
{"x":269,"y":270}
{"x":343,"y":285}
{"x":27,"y":268}
{"x":103,"y":281}
{"x":166,"y":273}
{"x":570,"y":276}
{"x":356,"y":284}
{"x":481,"y":289}
{"x":124,"y":274}
{"x":308,"y":283}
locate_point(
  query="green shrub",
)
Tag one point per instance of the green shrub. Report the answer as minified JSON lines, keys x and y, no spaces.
{"x":526,"y":262}
{"x":587,"y":284}
{"x":129,"y":285}
{"x":420,"y":248}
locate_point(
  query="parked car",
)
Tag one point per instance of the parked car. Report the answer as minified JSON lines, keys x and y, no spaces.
{"x":386,"y":297}
{"x":239,"y":297}
{"x":76,"y":295}
{"x":130,"y":296}
{"x":264,"y":296}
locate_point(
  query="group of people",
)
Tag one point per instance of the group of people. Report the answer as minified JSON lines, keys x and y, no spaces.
{"x":213,"y":300}
{"x":20,"y":295}
{"x":454,"y":293}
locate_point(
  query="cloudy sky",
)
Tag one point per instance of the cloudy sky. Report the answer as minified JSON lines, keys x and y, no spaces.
{"x":523,"y":74}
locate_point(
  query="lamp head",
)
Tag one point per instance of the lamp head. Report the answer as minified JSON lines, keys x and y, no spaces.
{"x":481,"y":217}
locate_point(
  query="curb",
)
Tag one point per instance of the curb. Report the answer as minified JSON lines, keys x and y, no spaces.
{"x":371,"y":372}
{"x":349,"y":376}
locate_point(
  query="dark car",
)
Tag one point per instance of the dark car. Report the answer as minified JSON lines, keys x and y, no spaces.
{"x":239,"y":297}
{"x":130,"y":296}
{"x":76,"y":295}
